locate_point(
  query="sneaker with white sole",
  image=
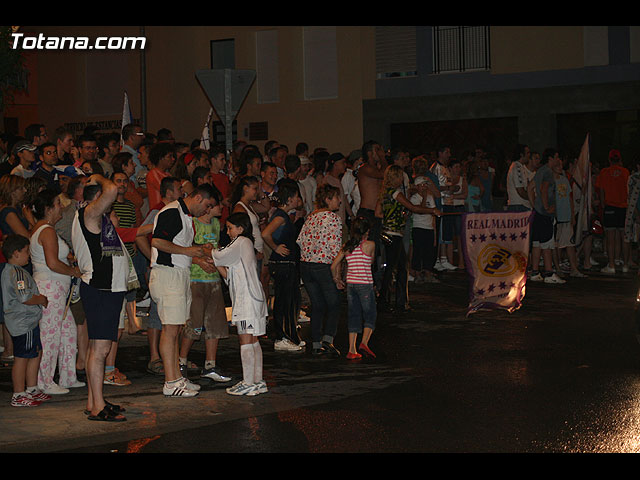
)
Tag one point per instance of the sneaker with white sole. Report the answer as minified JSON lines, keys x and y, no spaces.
{"x":608,"y":270}
{"x":23,"y":401}
{"x":438,"y":266}
{"x":261,"y":387}
{"x":242,"y":388}
{"x":77,"y":384}
{"x":447,"y":266}
{"x":38,"y":395}
{"x":54,"y":389}
{"x":577,"y":274}
{"x":554,"y":279}
{"x":286,"y":345}
{"x":179,"y":388}
{"x":214,"y":374}
{"x":192,"y":386}
{"x":537,"y":277}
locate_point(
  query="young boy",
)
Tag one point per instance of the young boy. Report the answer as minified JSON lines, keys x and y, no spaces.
{"x":22,"y":305}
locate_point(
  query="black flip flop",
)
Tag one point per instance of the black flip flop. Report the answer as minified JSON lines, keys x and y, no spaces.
{"x":107,"y":415}
{"x":114,"y":409}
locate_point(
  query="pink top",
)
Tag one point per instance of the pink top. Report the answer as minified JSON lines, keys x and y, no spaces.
{"x":359,"y":267}
{"x":320,"y":239}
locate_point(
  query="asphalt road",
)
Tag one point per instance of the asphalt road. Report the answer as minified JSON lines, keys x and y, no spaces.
{"x":562,"y":374}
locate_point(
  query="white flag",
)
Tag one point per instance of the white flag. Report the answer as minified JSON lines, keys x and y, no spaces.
{"x":204,"y":139}
{"x":582,"y":177}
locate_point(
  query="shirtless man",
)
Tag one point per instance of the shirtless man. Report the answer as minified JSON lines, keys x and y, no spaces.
{"x":370,"y":175}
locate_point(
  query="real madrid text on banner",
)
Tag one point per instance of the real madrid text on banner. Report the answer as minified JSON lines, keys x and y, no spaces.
{"x":496,"y":250}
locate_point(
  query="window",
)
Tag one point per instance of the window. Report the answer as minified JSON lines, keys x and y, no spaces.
{"x":460,"y":49}
{"x":267,"y":66}
{"x":223,"y":54}
{"x":320,"y":63}
{"x":395,"y":52}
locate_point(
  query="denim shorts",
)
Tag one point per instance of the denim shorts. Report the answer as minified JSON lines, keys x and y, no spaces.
{"x":361,"y":305}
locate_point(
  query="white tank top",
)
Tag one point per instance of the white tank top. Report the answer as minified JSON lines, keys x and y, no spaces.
{"x":40,"y":269}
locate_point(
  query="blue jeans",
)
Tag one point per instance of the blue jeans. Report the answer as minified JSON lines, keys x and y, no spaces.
{"x":361,"y":303}
{"x":325,"y":301}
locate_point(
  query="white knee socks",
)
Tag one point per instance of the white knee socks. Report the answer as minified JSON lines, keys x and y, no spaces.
{"x":257,"y":352}
{"x":247,"y":356}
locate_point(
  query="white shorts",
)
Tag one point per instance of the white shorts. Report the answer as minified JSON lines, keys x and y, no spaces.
{"x":170,"y":288}
{"x":256,"y":328}
{"x":564,"y":232}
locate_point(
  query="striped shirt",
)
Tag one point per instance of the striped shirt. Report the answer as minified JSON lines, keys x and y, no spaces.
{"x":359,"y":267}
{"x":127,"y":218}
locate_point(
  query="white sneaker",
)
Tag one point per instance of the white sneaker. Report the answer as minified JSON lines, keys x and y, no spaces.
{"x":192,"y":386}
{"x":447,"y":266}
{"x":286,"y":345}
{"x":411,"y":278}
{"x":625,"y":269}
{"x":54,"y":389}
{"x":536,"y":278}
{"x":438,"y":266}
{"x":578,"y":274}
{"x":242,"y":388}
{"x":214,"y":374}
{"x":554,"y":279}
{"x":77,"y":384}
{"x":303,"y":317}
{"x":608,"y":270}
{"x":261,"y":387}
{"x":178,"y":389}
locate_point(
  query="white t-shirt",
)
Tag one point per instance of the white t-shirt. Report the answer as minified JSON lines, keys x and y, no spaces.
{"x":518,"y":176}
{"x":422,"y":220}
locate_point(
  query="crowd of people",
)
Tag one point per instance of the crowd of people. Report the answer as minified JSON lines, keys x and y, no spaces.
{"x":96,"y":226}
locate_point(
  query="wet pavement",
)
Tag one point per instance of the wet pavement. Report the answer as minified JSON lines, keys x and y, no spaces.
{"x":562,"y":374}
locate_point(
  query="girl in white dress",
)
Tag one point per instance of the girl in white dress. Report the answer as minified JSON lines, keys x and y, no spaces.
{"x":237,"y":265}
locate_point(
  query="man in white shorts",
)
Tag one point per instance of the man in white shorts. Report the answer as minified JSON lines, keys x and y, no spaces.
{"x":172,"y":250}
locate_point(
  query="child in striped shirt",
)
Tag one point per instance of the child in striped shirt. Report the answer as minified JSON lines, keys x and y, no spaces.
{"x":359,"y":253}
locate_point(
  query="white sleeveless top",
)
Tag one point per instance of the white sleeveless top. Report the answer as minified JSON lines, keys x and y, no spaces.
{"x":40,"y":269}
{"x":258,"y":242}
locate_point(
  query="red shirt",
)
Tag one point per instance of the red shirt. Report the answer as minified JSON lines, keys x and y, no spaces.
{"x":614,"y":181}
{"x":154,"y":177}
{"x":221,"y":182}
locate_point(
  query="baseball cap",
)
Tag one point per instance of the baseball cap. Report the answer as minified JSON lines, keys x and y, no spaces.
{"x":69,"y":171}
{"x":23,"y":145}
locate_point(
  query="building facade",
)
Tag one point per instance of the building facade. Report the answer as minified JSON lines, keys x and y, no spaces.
{"x":413,"y":87}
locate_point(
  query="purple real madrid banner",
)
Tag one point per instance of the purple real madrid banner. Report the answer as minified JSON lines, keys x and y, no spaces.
{"x":496,"y":250}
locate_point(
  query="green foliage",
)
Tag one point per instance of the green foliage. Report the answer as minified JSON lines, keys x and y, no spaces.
{"x":13,"y":74}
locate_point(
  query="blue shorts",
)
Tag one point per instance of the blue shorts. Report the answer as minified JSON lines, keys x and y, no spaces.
{"x":27,"y":345}
{"x":102,"y":309}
